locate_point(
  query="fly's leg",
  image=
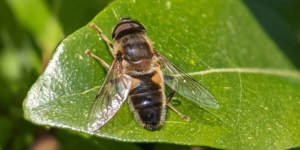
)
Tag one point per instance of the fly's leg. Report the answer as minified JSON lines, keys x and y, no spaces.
{"x":109,"y":43}
{"x":103,"y":63}
{"x":173,"y":87}
{"x":186,"y":118}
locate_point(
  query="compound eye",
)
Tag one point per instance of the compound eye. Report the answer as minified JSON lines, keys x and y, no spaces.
{"x":125,"y":18}
{"x":136,"y":25}
{"x":122,"y":27}
{"x":126,"y":26}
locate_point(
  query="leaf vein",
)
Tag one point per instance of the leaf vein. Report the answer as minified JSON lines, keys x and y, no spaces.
{"x":276,"y":72}
{"x":241,"y":91}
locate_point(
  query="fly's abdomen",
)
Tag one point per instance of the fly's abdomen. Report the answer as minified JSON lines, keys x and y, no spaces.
{"x":149,"y":109}
{"x":147,"y":101}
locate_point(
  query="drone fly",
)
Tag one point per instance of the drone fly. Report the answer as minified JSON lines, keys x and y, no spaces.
{"x":139,"y":73}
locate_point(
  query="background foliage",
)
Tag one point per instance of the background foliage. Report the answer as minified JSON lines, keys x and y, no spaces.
{"x":30,"y":31}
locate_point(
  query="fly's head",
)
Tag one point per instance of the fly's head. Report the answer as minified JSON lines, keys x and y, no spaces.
{"x":126,"y":26}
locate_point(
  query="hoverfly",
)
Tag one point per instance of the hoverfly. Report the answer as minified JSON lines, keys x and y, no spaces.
{"x":139,"y":73}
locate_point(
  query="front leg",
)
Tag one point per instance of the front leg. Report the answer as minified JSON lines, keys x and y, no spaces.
{"x":103,"y":63}
{"x":109,"y":43}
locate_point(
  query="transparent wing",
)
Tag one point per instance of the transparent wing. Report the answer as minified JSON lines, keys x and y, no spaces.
{"x":110,"y":97}
{"x":185,"y":85}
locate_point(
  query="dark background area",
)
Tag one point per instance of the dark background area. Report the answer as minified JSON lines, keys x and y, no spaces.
{"x":281,"y":21}
{"x":30,"y":32}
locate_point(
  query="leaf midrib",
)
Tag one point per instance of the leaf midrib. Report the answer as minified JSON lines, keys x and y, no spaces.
{"x":275,"y":72}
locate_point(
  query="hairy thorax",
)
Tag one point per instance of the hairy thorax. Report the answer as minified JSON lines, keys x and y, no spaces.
{"x":137,"y":52}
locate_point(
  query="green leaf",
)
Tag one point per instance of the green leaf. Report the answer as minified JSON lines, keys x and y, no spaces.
{"x":81,"y":141}
{"x":218,"y":42}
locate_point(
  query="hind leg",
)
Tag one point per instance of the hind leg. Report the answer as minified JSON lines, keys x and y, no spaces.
{"x":186,"y":118}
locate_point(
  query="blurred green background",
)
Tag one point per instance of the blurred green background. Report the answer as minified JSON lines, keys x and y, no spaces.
{"x":31,"y":30}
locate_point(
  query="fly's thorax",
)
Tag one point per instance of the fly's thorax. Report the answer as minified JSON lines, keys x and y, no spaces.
{"x":137,"y":51}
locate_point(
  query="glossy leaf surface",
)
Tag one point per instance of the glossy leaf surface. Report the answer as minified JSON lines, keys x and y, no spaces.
{"x":218,"y":42}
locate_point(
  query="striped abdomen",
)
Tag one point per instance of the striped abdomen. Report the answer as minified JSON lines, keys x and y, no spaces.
{"x":147,"y":100}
